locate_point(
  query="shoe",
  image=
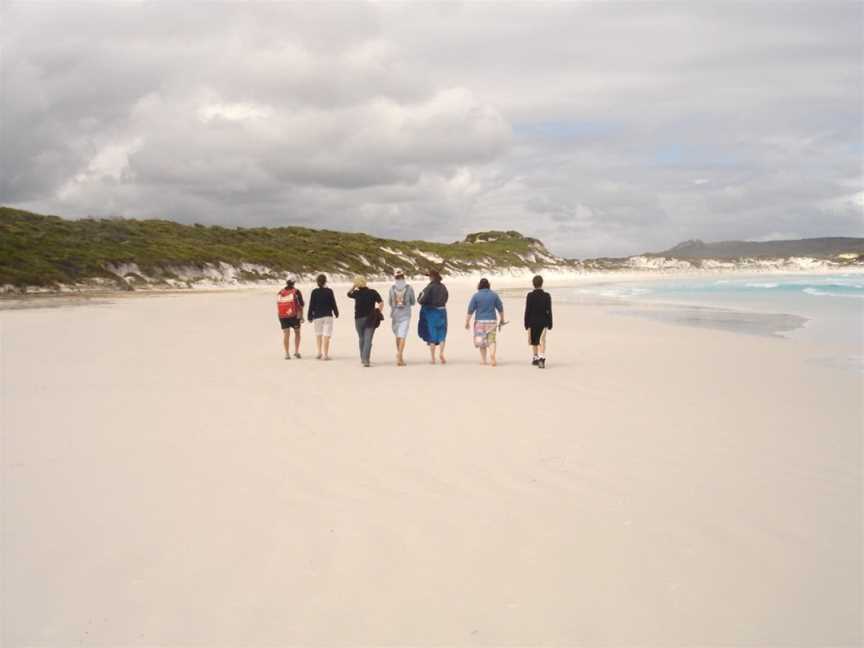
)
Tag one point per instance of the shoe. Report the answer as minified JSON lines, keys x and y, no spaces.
{"x":318,"y":357}
{"x":297,"y":355}
{"x":535,"y":361}
{"x":366,"y":364}
{"x":287,"y":356}
{"x":541,"y":363}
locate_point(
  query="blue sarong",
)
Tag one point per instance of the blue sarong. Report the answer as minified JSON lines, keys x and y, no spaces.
{"x":432,"y":326}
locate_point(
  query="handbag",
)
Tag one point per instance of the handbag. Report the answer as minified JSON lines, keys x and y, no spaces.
{"x":375,"y":318}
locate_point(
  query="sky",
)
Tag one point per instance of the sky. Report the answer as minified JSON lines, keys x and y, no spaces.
{"x":601,"y":128}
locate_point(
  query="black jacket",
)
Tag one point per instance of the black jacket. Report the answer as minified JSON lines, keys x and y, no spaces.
{"x":538,"y":309}
{"x":434,"y":295}
{"x":322,"y":303}
{"x":364,"y":301}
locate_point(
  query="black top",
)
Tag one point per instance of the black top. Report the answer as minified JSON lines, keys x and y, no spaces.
{"x":434,"y":295}
{"x":364,"y":301}
{"x":538,"y":309}
{"x":322,"y":303}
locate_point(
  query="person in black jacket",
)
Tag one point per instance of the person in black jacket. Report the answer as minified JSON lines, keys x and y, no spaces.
{"x":322,"y":310}
{"x":538,"y":319}
{"x":367,"y":315}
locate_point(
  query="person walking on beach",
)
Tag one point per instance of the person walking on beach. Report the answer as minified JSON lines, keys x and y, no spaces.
{"x":401,"y":299}
{"x":486,"y":307}
{"x":289,"y":306}
{"x":322,"y":310}
{"x":432,"y":326}
{"x":538,"y":320}
{"x":367,"y":315}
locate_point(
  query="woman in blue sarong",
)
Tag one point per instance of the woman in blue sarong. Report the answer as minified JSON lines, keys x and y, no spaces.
{"x":432,"y":326}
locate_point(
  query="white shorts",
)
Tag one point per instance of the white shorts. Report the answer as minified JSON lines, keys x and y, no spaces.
{"x":323,"y":326}
{"x":400,"y":328}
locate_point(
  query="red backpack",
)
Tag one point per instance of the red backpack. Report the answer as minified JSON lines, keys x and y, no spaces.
{"x":287,"y":304}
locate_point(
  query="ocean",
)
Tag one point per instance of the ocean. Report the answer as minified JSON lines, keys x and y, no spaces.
{"x":825,"y":309}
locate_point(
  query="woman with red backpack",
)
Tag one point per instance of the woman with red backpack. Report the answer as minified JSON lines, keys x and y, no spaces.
{"x":290,"y":309}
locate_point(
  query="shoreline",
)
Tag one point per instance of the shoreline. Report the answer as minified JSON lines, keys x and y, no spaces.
{"x":506,"y":280}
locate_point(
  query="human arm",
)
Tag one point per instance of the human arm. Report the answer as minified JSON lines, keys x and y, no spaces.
{"x":499,"y":306}
{"x":472,"y":308}
{"x":549,"y":310}
{"x":334,"y":305}
{"x":527,"y":311}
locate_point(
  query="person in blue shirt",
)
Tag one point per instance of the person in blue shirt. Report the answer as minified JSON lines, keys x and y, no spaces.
{"x":488,"y":312}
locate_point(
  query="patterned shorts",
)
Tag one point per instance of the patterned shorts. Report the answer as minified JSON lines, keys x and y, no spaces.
{"x":485,"y":333}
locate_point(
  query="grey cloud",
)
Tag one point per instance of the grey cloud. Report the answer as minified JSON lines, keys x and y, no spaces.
{"x":602,"y":128}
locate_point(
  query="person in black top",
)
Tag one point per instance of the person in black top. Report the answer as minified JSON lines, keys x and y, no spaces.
{"x":538,"y":319}
{"x":432,"y":324}
{"x":367,"y":315}
{"x":322,"y":310}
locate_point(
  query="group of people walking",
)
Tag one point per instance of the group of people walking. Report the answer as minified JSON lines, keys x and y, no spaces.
{"x":485,"y":308}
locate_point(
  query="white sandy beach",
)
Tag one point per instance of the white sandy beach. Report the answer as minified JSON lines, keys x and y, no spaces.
{"x":170,"y":480}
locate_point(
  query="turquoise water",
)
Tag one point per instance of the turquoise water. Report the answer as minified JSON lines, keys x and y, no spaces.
{"x":821,"y":308}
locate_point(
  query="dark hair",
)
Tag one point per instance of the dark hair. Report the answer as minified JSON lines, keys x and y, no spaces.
{"x":321,"y":280}
{"x":434,"y":275}
{"x":289,"y":283}
{"x":537,"y":281}
{"x":484,"y":283}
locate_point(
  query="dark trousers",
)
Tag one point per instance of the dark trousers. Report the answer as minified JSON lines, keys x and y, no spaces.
{"x":364,"y":333}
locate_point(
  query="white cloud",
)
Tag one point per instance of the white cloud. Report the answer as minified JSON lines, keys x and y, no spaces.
{"x":601,"y":128}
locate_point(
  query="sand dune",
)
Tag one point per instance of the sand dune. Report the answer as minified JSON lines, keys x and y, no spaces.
{"x":170,"y":480}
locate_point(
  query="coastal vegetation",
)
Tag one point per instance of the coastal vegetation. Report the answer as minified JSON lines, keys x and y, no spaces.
{"x":47,"y":251}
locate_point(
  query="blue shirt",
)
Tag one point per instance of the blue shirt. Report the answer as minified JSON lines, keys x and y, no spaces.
{"x":484,"y":303}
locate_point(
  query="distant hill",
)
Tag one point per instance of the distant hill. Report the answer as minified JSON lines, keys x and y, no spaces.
{"x":817,"y":248}
{"x":50,"y":252}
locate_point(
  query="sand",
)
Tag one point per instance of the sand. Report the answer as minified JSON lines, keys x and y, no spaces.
{"x":170,"y":480}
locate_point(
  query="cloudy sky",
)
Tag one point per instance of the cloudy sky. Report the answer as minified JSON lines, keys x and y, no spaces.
{"x":603,"y":128}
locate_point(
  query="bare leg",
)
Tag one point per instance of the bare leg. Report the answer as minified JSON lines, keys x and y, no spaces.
{"x":441,"y":353}
{"x":492,"y":349}
{"x":286,"y":342}
{"x":326,"y":347}
{"x":483,"y":355}
{"x":318,"y":341}
{"x":297,"y":341}
{"x":432,"y":351}
{"x":400,"y":351}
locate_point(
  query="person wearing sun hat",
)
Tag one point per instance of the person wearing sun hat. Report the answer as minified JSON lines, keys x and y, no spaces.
{"x":289,"y":306}
{"x":432,"y":323}
{"x":401,"y":299}
{"x":367,"y":315}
